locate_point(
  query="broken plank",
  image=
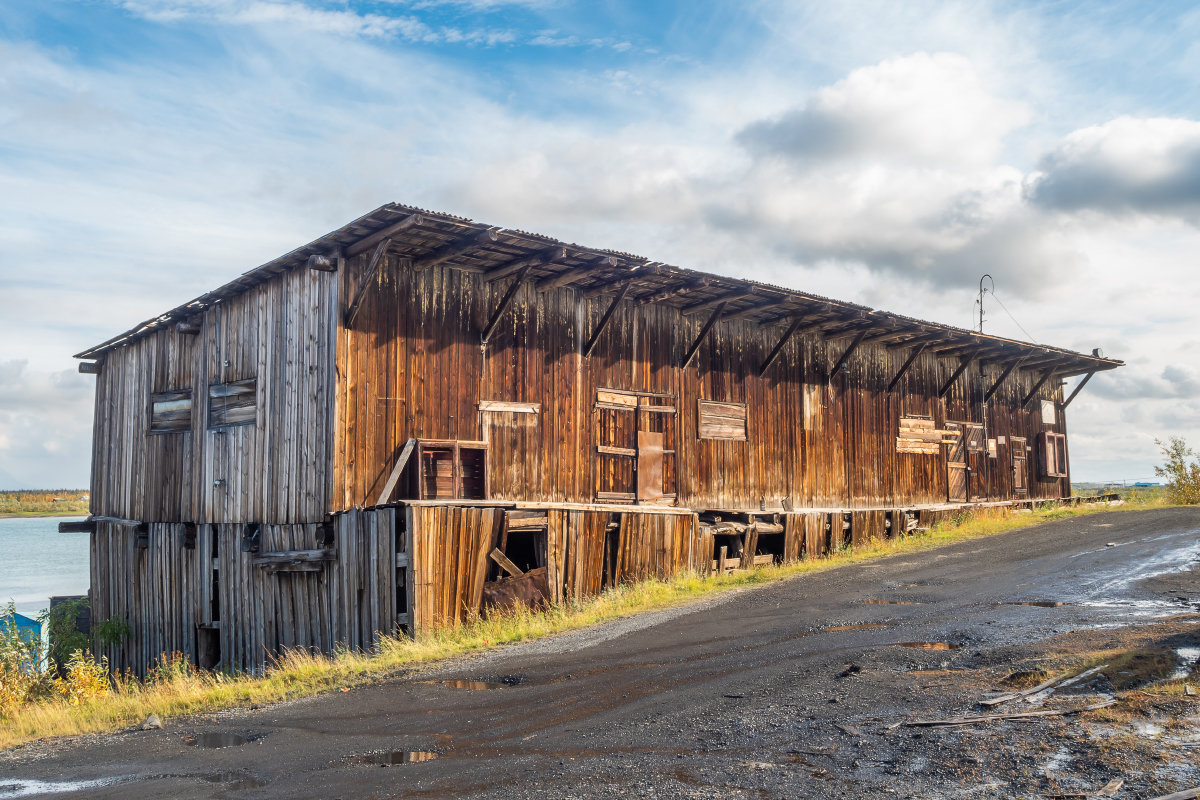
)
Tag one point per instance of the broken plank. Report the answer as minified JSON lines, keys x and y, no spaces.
{"x":505,"y":563}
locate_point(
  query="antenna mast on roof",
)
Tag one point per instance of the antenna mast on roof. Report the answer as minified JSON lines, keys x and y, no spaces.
{"x":980,"y":300}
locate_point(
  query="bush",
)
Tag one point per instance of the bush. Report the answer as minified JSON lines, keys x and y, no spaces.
{"x":84,"y":678}
{"x":22,"y":677}
{"x":1182,"y":471}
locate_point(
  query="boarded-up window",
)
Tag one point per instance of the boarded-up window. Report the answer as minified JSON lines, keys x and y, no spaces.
{"x":1052,"y":455}
{"x":722,"y":420}
{"x":171,"y":412}
{"x":919,"y":434}
{"x":451,"y":470}
{"x":233,"y":403}
{"x":1020,"y":476}
{"x":975,"y":441}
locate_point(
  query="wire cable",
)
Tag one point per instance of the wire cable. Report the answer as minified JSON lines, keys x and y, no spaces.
{"x":1014,"y":319}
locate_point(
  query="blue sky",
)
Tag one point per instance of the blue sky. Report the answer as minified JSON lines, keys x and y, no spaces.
{"x":880,"y":152}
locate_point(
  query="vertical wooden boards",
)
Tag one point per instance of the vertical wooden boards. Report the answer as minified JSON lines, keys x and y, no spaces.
{"x":656,"y":545}
{"x":586,"y":532}
{"x":449,"y":557}
{"x":793,"y":537}
{"x":815,"y":535}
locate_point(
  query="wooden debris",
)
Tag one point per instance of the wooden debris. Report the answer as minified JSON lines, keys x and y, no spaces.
{"x":505,"y":563}
{"x":1052,"y":684}
{"x":1057,"y":712}
{"x":1111,"y":788}
{"x":1186,"y":794}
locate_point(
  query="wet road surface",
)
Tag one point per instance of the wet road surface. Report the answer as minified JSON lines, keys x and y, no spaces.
{"x":708,"y":701}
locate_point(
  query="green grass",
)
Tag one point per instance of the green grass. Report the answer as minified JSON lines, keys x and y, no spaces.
{"x":43,"y":503}
{"x":300,"y":674}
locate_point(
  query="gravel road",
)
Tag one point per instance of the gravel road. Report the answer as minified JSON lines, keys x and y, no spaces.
{"x":786,"y":690}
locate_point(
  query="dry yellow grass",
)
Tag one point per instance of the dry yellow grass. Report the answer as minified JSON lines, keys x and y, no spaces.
{"x":300,"y":674}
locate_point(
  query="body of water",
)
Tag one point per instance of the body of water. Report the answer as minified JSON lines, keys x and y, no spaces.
{"x":36,"y":561}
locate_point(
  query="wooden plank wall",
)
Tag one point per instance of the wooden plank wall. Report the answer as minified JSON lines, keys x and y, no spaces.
{"x":164,"y":590}
{"x":414,"y":367}
{"x":282,"y":333}
{"x":450,"y":546}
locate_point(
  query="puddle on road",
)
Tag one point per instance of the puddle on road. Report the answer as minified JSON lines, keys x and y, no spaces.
{"x":505,"y":682}
{"x":893,"y":602}
{"x":1038,"y":603}
{"x":215,"y":741}
{"x":1189,"y":662}
{"x":10,"y":788}
{"x":395,"y":757}
{"x":234,"y":781}
{"x":862,"y":627}
{"x":930,"y":645}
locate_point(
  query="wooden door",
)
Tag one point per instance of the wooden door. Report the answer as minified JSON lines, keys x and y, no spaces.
{"x":635,"y":447}
{"x":976,"y":445}
{"x":1019,"y":472}
{"x":956,"y":463}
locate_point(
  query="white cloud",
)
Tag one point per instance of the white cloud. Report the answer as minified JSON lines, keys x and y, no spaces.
{"x":45,"y":427}
{"x":1125,"y":166}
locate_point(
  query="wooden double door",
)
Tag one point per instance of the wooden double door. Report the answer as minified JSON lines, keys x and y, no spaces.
{"x":636,"y":457}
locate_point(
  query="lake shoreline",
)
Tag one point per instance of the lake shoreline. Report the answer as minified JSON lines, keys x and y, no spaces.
{"x":28,"y":514}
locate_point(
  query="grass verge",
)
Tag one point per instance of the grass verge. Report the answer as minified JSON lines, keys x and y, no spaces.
{"x":44,"y":503}
{"x":177,"y":690}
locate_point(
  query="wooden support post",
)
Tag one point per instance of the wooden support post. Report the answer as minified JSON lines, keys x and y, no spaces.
{"x":783,"y":340}
{"x":90,"y":367}
{"x":1076,"y":390}
{"x":189,"y":327}
{"x":841,"y":362}
{"x":708,"y":326}
{"x":604,"y":320}
{"x":394,"y":478}
{"x":1041,"y":382}
{"x":504,"y":301}
{"x":672,"y":291}
{"x":963,"y":363}
{"x":912,"y":359}
{"x":455,"y":249}
{"x":366,"y":244}
{"x":78,"y":526}
{"x":368,"y":279}
{"x":1003,"y":376}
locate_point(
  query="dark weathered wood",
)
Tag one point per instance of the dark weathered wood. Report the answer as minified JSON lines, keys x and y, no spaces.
{"x":849,"y":351}
{"x":604,"y":320}
{"x":778,"y":348}
{"x":90,"y":367}
{"x":522,"y":263}
{"x":907,"y":365}
{"x":1078,"y":388}
{"x":704,"y":331}
{"x":490,"y":327}
{"x":455,"y":249}
{"x":1046,"y":374}
{"x":274,"y":557}
{"x":1003,"y":376}
{"x":322,"y":263}
{"x":719,"y":301}
{"x":672,"y":292}
{"x":575,"y":274}
{"x":77,"y":526}
{"x":963,"y":363}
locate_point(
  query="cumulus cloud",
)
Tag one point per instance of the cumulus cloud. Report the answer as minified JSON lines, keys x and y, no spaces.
{"x":45,"y":426}
{"x":1125,"y":166}
{"x":926,"y":108}
{"x":1144,"y":380}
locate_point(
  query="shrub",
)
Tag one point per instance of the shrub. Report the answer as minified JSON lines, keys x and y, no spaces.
{"x":1182,"y":471}
{"x":22,"y":677}
{"x":84,"y":678}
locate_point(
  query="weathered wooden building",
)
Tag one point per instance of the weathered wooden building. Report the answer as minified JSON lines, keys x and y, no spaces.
{"x":359,"y":435}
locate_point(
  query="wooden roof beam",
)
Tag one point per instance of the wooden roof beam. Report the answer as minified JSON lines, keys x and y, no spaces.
{"x":604,"y":320}
{"x":1037,"y":387}
{"x":708,"y":326}
{"x":847,"y":353}
{"x":1050,"y":360}
{"x":547,"y":256}
{"x":503,"y":304}
{"x":455,"y":249}
{"x":670,"y":292}
{"x":926,"y":339}
{"x":778,"y":348}
{"x":720,"y":300}
{"x":912,"y":359}
{"x":363,"y":245}
{"x":1078,"y":387}
{"x":963,"y":363}
{"x":1003,"y":376}
{"x":756,"y":309}
{"x":575,"y":274}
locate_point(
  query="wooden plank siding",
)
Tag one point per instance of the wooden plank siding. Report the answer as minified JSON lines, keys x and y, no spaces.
{"x":414,"y":368}
{"x":281,"y":333}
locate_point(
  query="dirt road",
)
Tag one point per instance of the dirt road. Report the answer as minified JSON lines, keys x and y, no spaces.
{"x":788,"y":690}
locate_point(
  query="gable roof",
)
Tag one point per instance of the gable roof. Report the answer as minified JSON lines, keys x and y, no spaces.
{"x":430,"y":238}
